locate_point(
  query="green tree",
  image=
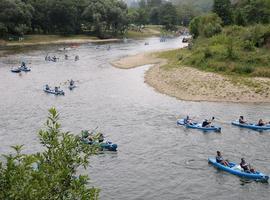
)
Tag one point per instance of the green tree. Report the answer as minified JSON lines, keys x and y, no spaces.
{"x":52,"y":173}
{"x":154,"y":16}
{"x":223,"y":9}
{"x":206,"y":25}
{"x":168,"y":16}
{"x":15,"y":16}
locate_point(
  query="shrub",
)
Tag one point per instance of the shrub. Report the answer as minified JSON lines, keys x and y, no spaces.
{"x":52,"y":173}
{"x":247,"y":69}
{"x":248,"y":45}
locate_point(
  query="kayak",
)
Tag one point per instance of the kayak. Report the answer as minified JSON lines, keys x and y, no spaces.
{"x":199,"y":126}
{"x":103,"y":145}
{"x":196,"y":125}
{"x":59,"y":92}
{"x":15,"y":70}
{"x":25,"y":69}
{"x":251,"y":126}
{"x":236,"y":170}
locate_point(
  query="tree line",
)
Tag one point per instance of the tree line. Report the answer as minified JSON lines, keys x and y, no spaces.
{"x":226,"y":12}
{"x":99,"y":17}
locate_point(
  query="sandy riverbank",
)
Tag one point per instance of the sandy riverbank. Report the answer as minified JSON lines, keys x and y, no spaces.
{"x":187,"y":83}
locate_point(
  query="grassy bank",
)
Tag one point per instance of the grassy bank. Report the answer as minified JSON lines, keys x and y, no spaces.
{"x":147,"y":31}
{"x":237,"y":51}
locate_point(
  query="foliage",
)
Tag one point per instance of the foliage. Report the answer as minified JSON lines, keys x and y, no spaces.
{"x":52,"y":173}
{"x":206,"y":25}
{"x":237,"y":50}
{"x":18,"y":17}
{"x":15,"y":17}
{"x":104,"y":16}
{"x":168,"y":16}
{"x":223,"y":9}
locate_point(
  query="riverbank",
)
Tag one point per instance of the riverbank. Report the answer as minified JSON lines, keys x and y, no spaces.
{"x":188,"y":83}
{"x":35,"y":40}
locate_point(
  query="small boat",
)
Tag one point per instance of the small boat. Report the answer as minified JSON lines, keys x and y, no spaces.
{"x":251,"y":126}
{"x":195,"y":125}
{"x":104,"y":145}
{"x":236,"y":170}
{"x":51,"y":91}
{"x":16,"y":70}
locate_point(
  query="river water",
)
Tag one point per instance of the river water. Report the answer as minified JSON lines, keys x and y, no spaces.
{"x":155,"y":158}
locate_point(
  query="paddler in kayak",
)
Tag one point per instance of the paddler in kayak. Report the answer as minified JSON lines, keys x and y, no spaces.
{"x":241,"y":120}
{"x":207,"y":123}
{"x":187,"y":120}
{"x":221,"y":160}
{"x":246,"y":167}
{"x":262,"y":123}
{"x":71,"y":82}
{"x":47,"y":87}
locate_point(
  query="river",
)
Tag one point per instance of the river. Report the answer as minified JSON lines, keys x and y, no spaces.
{"x":156,"y":159}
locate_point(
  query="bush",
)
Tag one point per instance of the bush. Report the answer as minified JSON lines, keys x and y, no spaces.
{"x":52,"y":173}
{"x":248,"y":45}
{"x":207,"y":53}
{"x":206,"y":25}
{"x":244,"y":69}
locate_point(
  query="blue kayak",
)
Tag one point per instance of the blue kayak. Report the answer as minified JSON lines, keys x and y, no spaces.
{"x":195,"y":125}
{"x":251,"y":126}
{"x":236,"y":170}
{"x":25,"y":69}
{"x":109,"y":146}
{"x":15,"y":70}
{"x":59,"y":92}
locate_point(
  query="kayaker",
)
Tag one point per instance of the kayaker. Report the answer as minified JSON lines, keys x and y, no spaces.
{"x":71,"y":82}
{"x":76,"y":57}
{"x":220,"y":159}
{"x":260,"y":123}
{"x":66,"y":57}
{"x":23,"y":65}
{"x":47,"y":87}
{"x":241,"y":120}
{"x":100,"y":137}
{"x":187,"y":120}
{"x":56,"y":89}
{"x":54,"y":59}
{"x":245,"y":166}
{"x":206,"y":123}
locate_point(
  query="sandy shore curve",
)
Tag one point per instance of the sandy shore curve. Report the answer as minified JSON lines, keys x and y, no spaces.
{"x":187,"y":83}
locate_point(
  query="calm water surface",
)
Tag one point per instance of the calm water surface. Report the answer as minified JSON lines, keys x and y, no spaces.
{"x":156,"y":159}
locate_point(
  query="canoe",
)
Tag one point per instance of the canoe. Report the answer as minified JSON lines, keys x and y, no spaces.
{"x":60,"y":92}
{"x":236,"y":170}
{"x":251,"y":126}
{"x":196,"y":125}
{"x":15,"y":70}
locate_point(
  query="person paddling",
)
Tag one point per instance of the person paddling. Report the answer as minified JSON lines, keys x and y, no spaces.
{"x":207,"y":123}
{"x":261,"y":123}
{"x":246,"y":167}
{"x":220,"y":159}
{"x":241,"y":120}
